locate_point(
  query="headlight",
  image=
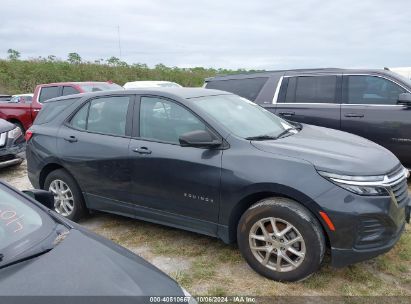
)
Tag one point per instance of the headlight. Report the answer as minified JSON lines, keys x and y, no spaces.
{"x":15,"y":133}
{"x":362,"y":185}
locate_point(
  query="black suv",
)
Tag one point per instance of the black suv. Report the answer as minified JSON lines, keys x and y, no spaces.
{"x":218,"y":164}
{"x":375,"y":104}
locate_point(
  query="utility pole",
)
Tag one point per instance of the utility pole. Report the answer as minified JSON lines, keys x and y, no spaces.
{"x":119,"y":40}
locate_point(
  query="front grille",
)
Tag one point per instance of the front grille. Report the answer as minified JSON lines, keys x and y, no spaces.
{"x":400,"y":192}
{"x":398,"y":186}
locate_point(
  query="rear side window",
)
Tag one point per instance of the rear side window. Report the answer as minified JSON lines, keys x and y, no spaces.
{"x":69,"y":91}
{"x":107,"y":115}
{"x":248,"y":88}
{"x":51,"y":109}
{"x":311,"y":89}
{"x":48,"y":93}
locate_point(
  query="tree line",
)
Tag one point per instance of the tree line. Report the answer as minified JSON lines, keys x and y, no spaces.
{"x":21,"y":76}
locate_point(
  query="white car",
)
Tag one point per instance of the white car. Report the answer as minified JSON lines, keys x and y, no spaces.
{"x":404,"y":71}
{"x":151,"y":84}
{"x":22,"y":98}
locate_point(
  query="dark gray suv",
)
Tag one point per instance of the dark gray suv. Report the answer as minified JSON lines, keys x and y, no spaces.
{"x":375,"y":104}
{"x":218,"y":164}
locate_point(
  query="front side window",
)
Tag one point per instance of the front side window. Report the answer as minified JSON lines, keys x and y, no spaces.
{"x":163,"y":120}
{"x":241,"y":116}
{"x":107,"y":115}
{"x":372,"y":90}
{"x":311,"y":89}
{"x":48,"y":93}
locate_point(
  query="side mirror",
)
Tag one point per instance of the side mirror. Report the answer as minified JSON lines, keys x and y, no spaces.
{"x":404,"y":99}
{"x":44,"y":197}
{"x":199,"y":139}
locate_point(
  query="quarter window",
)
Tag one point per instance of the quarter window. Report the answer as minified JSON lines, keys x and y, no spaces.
{"x":372,"y":90}
{"x":50,"y":110}
{"x":163,"y":120}
{"x":248,"y":88}
{"x":48,"y":93}
{"x":105,"y":115}
{"x":311,"y":89}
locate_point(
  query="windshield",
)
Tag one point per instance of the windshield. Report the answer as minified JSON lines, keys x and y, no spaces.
{"x":241,"y":116}
{"x":22,"y":224}
{"x":402,"y":78}
{"x":95,"y":87}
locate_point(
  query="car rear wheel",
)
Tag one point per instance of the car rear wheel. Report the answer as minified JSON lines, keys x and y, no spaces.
{"x":281,"y":240}
{"x":68,"y":199}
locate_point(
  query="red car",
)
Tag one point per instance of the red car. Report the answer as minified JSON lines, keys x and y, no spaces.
{"x":23,"y":114}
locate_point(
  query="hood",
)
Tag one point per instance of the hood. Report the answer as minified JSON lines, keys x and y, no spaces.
{"x":333,"y":151}
{"x":6,"y":126}
{"x":84,"y":265}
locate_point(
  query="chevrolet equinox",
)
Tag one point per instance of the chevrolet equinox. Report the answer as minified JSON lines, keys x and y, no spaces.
{"x":218,"y":164}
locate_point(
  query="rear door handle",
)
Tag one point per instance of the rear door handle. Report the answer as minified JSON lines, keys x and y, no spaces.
{"x":70,"y":139}
{"x":287,"y":113}
{"x":354,"y":115}
{"x":142,"y":150}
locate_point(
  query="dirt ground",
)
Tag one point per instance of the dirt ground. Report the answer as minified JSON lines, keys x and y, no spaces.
{"x":206,"y":266}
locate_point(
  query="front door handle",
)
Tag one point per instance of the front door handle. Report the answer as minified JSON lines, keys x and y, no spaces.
{"x":70,"y":139}
{"x":354,"y":115}
{"x":287,"y":113}
{"x":142,"y":150}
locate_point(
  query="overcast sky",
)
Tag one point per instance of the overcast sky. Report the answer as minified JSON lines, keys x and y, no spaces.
{"x":254,"y":34}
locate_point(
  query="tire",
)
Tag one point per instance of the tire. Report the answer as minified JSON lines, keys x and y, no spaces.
{"x":74,"y":207}
{"x":306,"y":254}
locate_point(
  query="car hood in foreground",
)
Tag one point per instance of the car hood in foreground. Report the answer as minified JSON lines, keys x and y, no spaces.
{"x":86,"y":265}
{"x":333,"y":151}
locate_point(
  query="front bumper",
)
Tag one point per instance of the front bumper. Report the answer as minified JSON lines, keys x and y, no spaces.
{"x":12,"y":155}
{"x":365,"y":226}
{"x":343,"y":257}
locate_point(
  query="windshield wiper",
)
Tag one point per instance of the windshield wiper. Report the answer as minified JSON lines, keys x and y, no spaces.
{"x":285,"y":132}
{"x":268,"y":137}
{"x":261,"y":137}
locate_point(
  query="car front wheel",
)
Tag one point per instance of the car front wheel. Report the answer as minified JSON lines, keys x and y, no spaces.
{"x":281,"y":240}
{"x":68,"y":199}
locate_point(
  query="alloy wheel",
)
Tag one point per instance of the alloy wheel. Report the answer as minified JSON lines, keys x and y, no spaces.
{"x":277,"y":244}
{"x":63,"y":197}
